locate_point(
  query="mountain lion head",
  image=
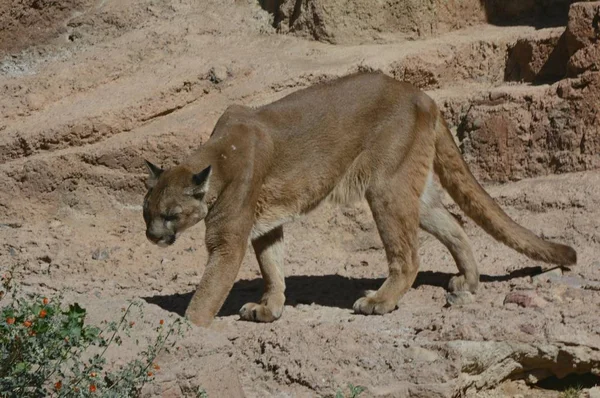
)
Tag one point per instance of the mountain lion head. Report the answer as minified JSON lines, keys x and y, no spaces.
{"x":174,"y":202}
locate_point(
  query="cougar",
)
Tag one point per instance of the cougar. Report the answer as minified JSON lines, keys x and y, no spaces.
{"x":360,"y":136}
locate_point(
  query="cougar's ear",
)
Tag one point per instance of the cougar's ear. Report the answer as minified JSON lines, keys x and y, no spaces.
{"x":153,"y":173}
{"x":200,"y":183}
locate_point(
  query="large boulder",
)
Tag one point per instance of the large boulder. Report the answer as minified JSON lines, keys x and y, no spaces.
{"x":583,"y":38}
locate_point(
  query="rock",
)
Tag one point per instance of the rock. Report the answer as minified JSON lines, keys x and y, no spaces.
{"x":100,"y":254}
{"x":44,"y":268}
{"x":552,"y":274}
{"x":55,"y":224}
{"x":583,"y":60}
{"x":218,"y":74}
{"x":459,"y":298}
{"x":485,"y":364}
{"x":582,"y":26}
{"x":525,"y":298}
{"x":594,"y":392}
{"x":582,"y":38}
{"x":550,"y":134}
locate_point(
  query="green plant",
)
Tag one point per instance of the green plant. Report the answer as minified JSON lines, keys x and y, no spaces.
{"x":47,"y":349}
{"x":571,"y":392}
{"x":355,"y":391}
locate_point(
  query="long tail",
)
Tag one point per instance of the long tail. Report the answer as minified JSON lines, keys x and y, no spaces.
{"x":478,"y":205}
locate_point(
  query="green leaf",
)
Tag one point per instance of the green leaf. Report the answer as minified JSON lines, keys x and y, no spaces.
{"x":21,"y":367}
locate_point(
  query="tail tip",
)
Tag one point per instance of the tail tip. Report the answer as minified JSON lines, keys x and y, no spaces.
{"x":568,"y":255}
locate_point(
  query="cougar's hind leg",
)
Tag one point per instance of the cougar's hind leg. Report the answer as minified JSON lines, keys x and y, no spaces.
{"x":269,"y":253}
{"x":436,"y":220}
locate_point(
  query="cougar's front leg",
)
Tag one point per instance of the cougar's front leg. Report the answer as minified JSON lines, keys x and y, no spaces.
{"x":223,"y":266}
{"x":396,"y":214}
{"x":269,"y":253}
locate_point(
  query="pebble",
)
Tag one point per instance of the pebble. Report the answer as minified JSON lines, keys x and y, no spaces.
{"x":218,"y":74}
{"x":547,"y":276}
{"x":525,"y":298}
{"x":459,"y":298}
{"x":100,"y":254}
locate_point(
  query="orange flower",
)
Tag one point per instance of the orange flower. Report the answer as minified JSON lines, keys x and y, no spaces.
{"x":42,"y":314}
{"x":156,"y":367}
{"x":150,"y":374}
{"x":10,"y":321}
{"x":31,"y":333}
{"x":92,"y":388}
{"x":45,"y":301}
{"x":58,"y":385}
{"x":162,"y":321}
{"x":93,"y":374}
{"x":27,"y":324}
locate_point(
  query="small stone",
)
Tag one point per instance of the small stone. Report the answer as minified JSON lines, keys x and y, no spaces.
{"x":217,"y":74}
{"x":477,"y":123}
{"x":459,"y":298}
{"x":55,"y":224}
{"x":547,"y":275}
{"x":525,"y":298}
{"x":100,"y":254}
{"x":44,"y":268}
{"x":496,"y":95}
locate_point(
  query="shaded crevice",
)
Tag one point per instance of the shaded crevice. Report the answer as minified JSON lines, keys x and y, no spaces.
{"x":572,"y":381}
{"x":163,"y":113}
{"x":537,"y":13}
{"x":537,"y":61}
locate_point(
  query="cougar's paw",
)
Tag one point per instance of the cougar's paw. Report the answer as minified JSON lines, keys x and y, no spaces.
{"x":258,"y":313}
{"x":197,"y":318}
{"x":370,"y":305}
{"x":459,"y":298}
{"x":458,"y":283}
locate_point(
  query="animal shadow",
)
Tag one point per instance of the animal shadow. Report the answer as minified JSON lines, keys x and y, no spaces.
{"x":325,"y":290}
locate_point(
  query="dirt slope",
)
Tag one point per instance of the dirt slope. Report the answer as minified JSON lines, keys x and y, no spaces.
{"x":108,"y":83}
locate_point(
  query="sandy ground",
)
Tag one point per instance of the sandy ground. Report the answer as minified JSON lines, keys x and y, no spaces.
{"x":117,"y":83}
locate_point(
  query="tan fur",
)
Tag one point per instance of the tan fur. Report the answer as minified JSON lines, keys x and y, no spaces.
{"x":361,"y":136}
